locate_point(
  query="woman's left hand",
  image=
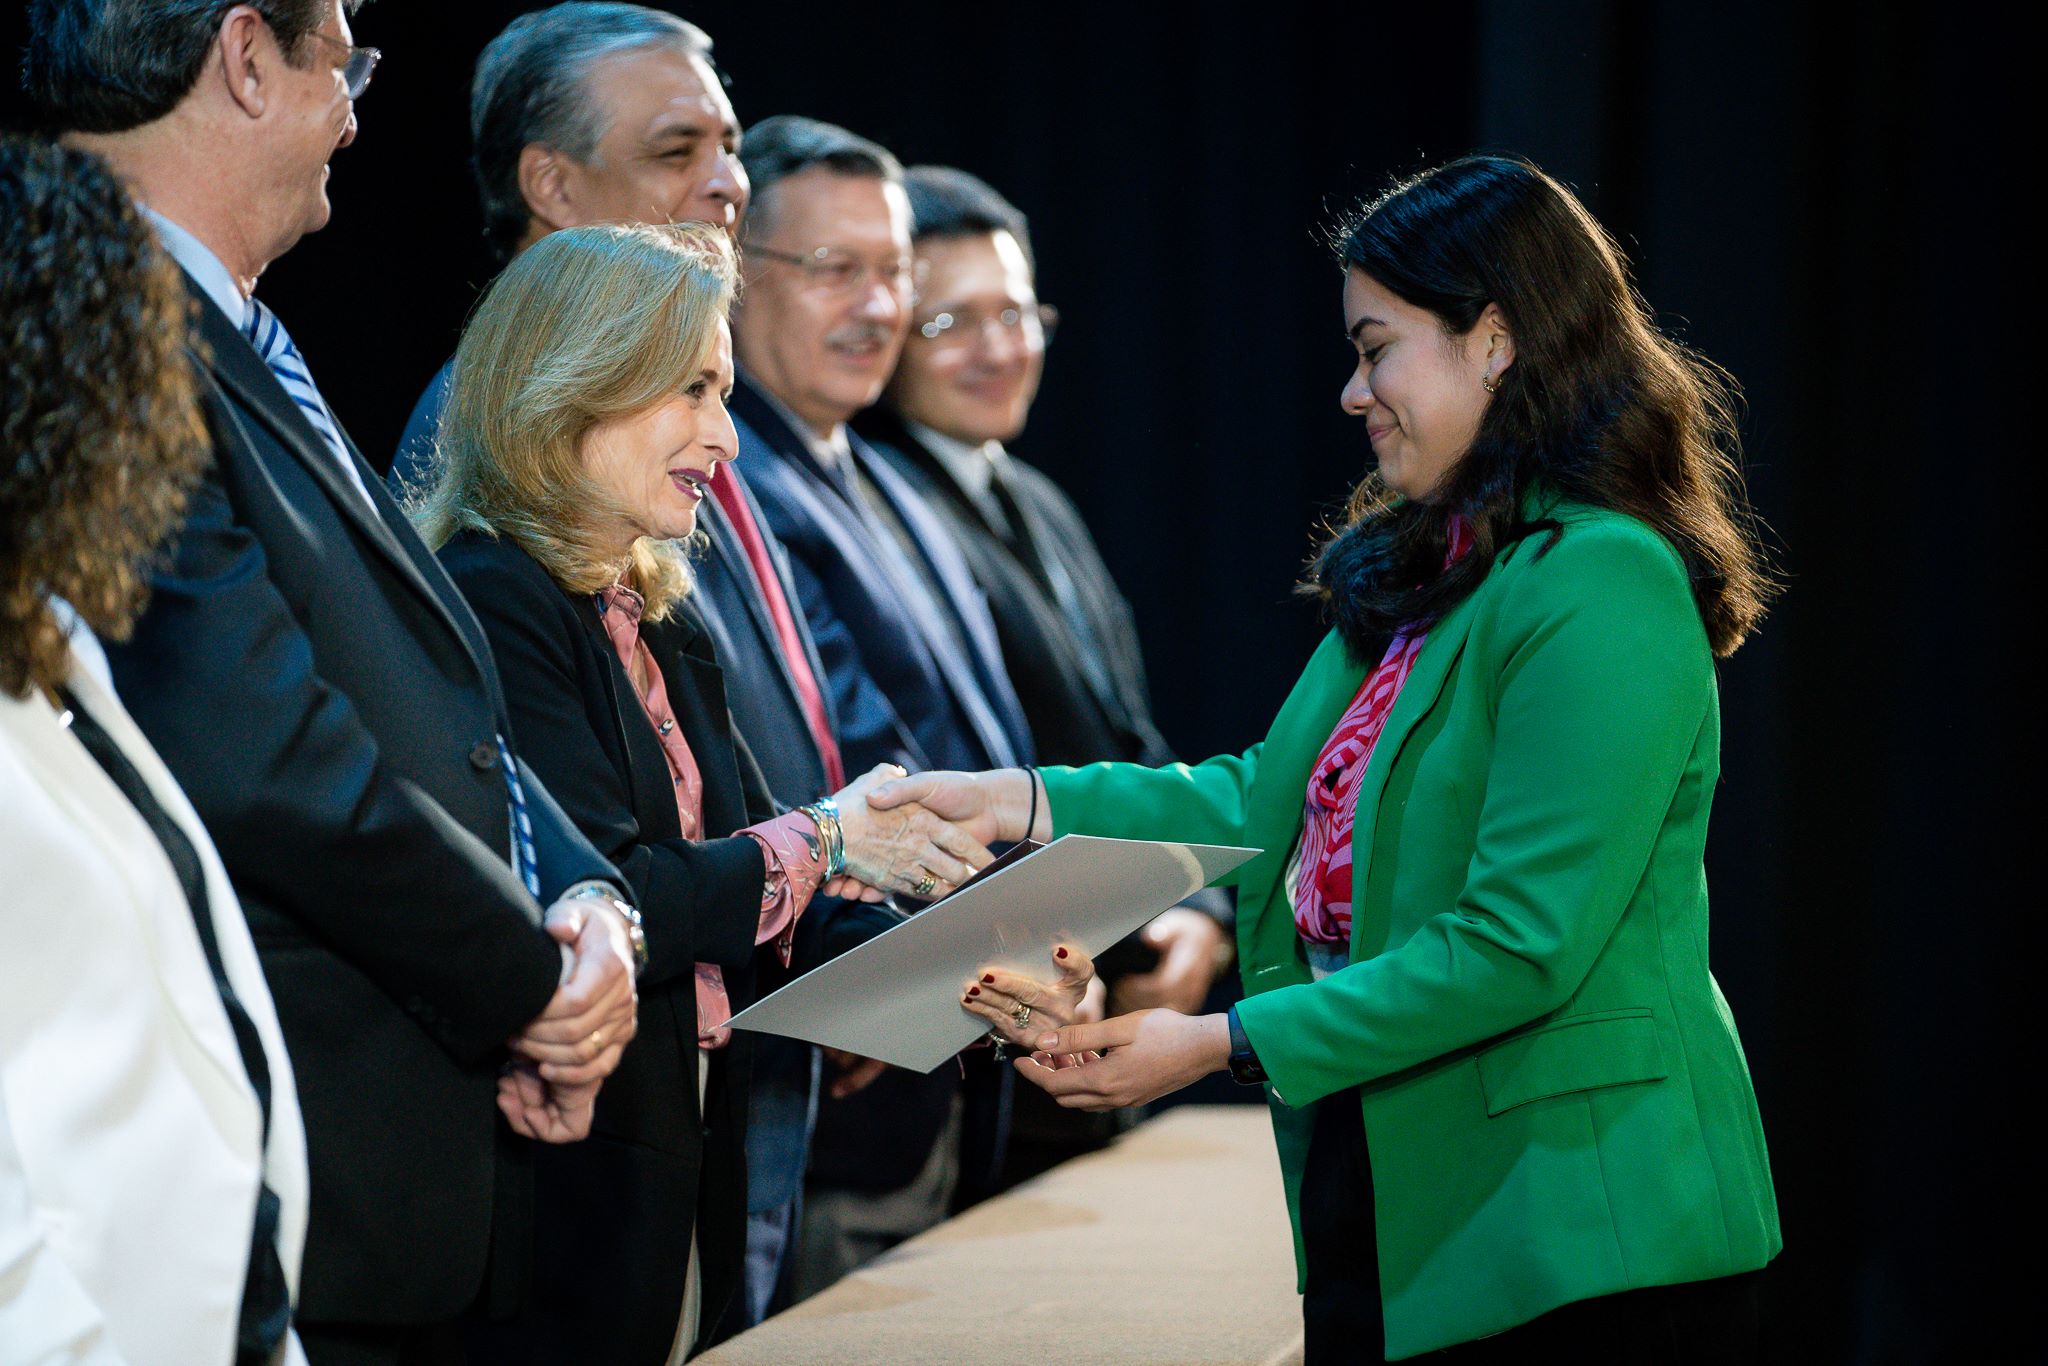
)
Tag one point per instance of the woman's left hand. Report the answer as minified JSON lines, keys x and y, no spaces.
{"x":1023,"y":1007}
{"x":1129,"y":1060}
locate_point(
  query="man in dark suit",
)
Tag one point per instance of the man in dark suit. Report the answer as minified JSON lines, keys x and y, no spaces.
{"x":328,"y":702}
{"x":963,"y":388}
{"x":664,"y":148}
{"x":910,"y":655}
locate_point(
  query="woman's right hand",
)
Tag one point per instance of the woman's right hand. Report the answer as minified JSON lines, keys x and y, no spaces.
{"x":901,"y":846}
{"x":992,"y":807}
{"x":1024,"y":1007}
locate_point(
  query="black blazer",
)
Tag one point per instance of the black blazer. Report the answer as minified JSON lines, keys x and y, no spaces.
{"x":614,"y":1213}
{"x":327,"y":701}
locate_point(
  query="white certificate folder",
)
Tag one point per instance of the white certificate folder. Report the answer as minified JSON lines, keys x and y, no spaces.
{"x":897,"y":997}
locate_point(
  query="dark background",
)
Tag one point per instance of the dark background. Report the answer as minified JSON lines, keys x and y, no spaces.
{"x":1813,"y":196}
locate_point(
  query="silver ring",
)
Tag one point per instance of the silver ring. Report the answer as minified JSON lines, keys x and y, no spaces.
{"x":923,"y":886}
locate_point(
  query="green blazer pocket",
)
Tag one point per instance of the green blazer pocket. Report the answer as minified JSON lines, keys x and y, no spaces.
{"x":1581,"y":1053}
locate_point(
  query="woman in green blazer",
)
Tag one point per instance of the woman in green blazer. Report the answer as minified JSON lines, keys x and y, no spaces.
{"x":1513,"y":1114}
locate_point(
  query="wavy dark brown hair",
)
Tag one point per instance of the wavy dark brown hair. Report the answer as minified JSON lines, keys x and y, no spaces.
{"x":101,"y":438}
{"x":1599,"y":406}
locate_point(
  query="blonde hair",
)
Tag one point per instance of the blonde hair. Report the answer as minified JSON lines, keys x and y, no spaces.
{"x":585,"y":326}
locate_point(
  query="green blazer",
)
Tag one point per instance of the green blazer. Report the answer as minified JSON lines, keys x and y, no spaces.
{"x":1555,"y":1099}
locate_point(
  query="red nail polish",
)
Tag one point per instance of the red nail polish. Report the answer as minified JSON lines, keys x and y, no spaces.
{"x":974,"y":991}
{"x":1059,"y":953}
{"x":989,"y":978}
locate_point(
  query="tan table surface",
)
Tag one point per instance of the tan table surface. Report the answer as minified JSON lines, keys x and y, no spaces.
{"x":1168,"y":1249}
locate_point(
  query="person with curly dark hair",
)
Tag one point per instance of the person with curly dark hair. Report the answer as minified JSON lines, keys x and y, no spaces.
{"x":153,"y":1182}
{"x":453,"y":962}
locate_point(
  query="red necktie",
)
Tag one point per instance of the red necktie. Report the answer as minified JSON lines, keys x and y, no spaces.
{"x":726,"y":490}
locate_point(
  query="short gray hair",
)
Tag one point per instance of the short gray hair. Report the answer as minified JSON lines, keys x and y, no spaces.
{"x":777,"y":148}
{"x":529,"y":88}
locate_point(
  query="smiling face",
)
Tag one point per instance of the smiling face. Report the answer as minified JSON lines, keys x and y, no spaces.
{"x":824,"y":351}
{"x":658,"y":464}
{"x":313,"y":118}
{"x":670,"y":150}
{"x":976,"y":379}
{"x":1420,"y":389}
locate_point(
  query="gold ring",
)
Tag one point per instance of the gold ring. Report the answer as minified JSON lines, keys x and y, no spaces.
{"x":923,"y":886}
{"x":597,"y":1037}
{"x":1022,"y":1015}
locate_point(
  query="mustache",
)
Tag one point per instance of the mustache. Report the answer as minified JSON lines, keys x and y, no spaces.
{"x":854,"y":334}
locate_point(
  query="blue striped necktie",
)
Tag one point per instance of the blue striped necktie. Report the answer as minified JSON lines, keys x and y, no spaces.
{"x":274,"y":345}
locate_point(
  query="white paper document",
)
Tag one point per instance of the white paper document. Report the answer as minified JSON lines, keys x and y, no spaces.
{"x":897,"y":997}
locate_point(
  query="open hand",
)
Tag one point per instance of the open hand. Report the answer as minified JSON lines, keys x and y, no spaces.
{"x":1128,"y":1060}
{"x":1023,"y":1007}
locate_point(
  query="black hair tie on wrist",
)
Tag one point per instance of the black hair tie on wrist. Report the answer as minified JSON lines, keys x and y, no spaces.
{"x":1031,"y":821}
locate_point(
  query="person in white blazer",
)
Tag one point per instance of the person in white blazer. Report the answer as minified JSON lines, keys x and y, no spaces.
{"x":135,"y":1057}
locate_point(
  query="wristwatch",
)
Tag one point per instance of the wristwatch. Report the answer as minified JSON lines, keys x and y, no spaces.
{"x":1244,"y":1064}
{"x":636,"y":933}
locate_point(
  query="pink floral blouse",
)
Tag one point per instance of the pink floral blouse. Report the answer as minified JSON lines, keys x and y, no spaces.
{"x":795,"y":860}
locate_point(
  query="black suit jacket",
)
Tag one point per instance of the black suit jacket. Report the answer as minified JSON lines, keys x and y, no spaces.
{"x":327,"y":701}
{"x":614,"y":1212}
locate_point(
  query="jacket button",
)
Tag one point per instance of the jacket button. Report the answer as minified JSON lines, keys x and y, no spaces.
{"x":484,"y":756}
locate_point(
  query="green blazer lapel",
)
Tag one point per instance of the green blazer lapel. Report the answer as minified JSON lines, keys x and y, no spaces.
{"x":1425,"y":683}
{"x":1266,"y":937}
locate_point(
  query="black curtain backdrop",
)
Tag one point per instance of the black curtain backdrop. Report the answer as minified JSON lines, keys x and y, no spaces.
{"x":1812,"y":196}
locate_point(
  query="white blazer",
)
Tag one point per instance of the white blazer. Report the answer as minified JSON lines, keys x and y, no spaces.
{"x":131,"y":1141}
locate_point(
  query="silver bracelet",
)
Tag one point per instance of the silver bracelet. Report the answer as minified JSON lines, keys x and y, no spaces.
{"x":824,"y":814}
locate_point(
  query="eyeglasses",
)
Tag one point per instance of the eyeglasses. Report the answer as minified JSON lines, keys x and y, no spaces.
{"x":1030,"y":325}
{"x":356,"y":69}
{"x":835,"y":271}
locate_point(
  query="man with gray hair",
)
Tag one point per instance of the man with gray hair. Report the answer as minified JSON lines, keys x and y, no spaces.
{"x":326,"y":700}
{"x":590,"y":112}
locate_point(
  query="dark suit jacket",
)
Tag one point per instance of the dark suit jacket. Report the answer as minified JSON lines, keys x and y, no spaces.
{"x":901,"y":695}
{"x":615,"y":1211}
{"x":325,"y":697}
{"x":1084,"y":695}
{"x":1085,"y":698}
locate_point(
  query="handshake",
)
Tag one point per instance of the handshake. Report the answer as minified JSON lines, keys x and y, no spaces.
{"x":922,"y":836}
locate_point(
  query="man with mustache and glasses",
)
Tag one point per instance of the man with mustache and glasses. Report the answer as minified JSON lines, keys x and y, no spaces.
{"x":910,"y":654}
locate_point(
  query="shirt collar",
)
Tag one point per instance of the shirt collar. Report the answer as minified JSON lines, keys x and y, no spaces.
{"x":972,"y":467}
{"x":202,"y":265}
{"x":829,"y":450}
